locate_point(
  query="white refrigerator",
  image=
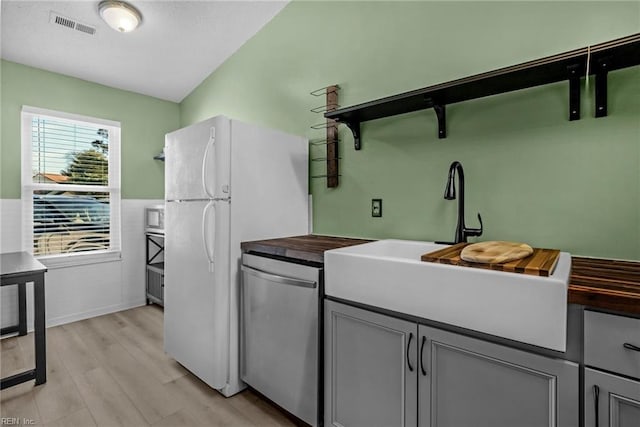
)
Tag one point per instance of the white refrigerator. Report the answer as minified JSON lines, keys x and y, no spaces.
{"x":225,"y":182}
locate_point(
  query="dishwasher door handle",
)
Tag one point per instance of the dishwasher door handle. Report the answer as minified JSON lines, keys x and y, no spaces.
{"x":278,"y":279}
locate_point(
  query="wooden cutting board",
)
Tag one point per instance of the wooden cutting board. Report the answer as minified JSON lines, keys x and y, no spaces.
{"x":541,"y":262}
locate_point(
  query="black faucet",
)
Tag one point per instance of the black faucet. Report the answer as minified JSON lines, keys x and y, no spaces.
{"x":462,"y":232}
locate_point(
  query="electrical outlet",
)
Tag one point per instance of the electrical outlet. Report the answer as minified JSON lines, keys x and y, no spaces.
{"x":376,"y":208}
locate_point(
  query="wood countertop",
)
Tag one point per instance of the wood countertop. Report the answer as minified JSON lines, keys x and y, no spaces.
{"x":309,"y":248}
{"x":595,"y":282}
{"x":605,"y":283}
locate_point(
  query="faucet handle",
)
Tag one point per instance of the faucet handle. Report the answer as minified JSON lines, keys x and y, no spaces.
{"x":475,"y":231}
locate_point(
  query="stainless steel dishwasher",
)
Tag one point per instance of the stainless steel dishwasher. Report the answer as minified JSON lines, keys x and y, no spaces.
{"x":280,"y":333}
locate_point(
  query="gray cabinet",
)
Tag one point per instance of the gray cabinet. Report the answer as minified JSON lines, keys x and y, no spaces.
{"x":610,"y":400}
{"x":611,"y":343}
{"x":470,"y":382}
{"x":384,"y":371}
{"x":370,"y":369}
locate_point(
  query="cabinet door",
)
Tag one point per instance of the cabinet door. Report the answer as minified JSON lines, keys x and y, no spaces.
{"x":610,"y":400}
{"x":609,"y":340}
{"x":155,"y":285}
{"x":370,"y":369}
{"x":468,"y":382}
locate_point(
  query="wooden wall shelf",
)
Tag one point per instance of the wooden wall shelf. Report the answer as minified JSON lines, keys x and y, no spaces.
{"x":571,"y":66}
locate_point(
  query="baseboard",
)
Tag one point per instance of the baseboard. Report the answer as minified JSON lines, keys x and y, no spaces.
{"x":62,"y":320}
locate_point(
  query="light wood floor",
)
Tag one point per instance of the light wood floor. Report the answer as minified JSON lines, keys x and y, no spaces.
{"x":112,"y":371}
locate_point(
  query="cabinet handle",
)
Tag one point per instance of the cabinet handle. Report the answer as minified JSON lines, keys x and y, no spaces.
{"x":408,"y":347}
{"x":596,"y":402}
{"x":424,"y":371}
{"x":630,"y":346}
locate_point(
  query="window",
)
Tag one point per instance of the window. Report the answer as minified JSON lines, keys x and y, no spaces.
{"x":70,"y":186}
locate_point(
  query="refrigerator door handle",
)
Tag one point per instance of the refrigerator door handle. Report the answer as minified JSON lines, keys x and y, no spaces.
{"x":212,"y":141}
{"x":205,"y":242}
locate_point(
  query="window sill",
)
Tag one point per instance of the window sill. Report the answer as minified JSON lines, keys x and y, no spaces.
{"x":73,"y":260}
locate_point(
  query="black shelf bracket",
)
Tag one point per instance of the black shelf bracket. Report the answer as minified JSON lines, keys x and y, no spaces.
{"x":574,"y":72}
{"x":602,"y":70}
{"x":355,"y":130}
{"x":441,"y":113}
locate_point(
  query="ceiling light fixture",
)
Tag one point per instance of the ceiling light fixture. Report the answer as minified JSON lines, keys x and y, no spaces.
{"x":119,"y":15}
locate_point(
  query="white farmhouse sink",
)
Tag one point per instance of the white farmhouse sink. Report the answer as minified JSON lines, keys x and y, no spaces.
{"x":389,"y":274}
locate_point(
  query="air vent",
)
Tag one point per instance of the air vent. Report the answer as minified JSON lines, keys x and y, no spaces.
{"x":85,"y":28}
{"x":56,"y":18}
{"x":65,"y":21}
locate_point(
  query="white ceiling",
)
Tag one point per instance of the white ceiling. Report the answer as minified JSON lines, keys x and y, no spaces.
{"x":178,"y":44}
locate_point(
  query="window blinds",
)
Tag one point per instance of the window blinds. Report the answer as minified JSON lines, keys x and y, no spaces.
{"x":73,"y":191}
{"x":69,"y":153}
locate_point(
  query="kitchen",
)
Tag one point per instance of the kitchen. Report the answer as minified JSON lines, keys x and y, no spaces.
{"x":535,"y":176}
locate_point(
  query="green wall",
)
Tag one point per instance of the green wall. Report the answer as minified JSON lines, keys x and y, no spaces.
{"x":534,"y":176}
{"x":144,"y":121}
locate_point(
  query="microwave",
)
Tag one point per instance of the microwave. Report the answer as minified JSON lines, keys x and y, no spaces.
{"x":154,"y":219}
